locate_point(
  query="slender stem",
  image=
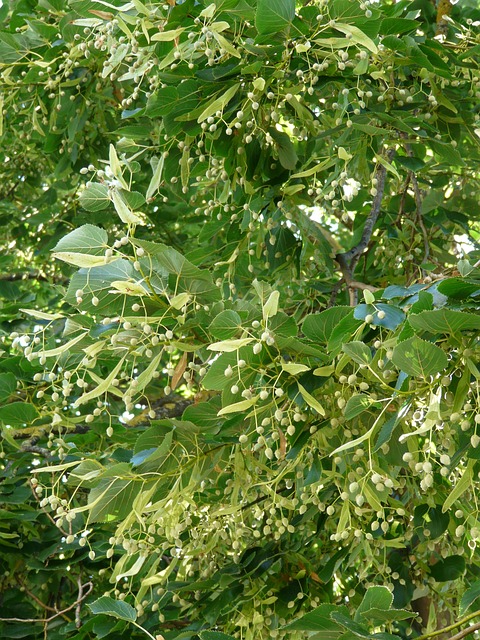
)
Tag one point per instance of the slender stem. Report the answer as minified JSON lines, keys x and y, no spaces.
{"x":139,"y":626}
{"x":471,"y":629}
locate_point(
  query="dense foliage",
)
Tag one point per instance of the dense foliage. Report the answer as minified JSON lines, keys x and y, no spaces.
{"x":239,"y":377}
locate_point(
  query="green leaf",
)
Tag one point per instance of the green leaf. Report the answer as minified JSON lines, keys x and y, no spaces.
{"x":319,"y":326}
{"x":228,"y":346}
{"x":167,"y":36}
{"x":432,"y":518}
{"x":134,"y":199}
{"x":151,"y":459}
{"x":319,"y":621}
{"x":396,"y":291}
{"x":204,"y":414}
{"x":82,"y":260}
{"x":381,"y":616}
{"x":112,"y":498}
{"x":357,"y":629}
{"x":98,"y":282}
{"x":310,"y":400}
{"x":18,"y":413}
{"x":285,"y":149}
{"x":243,"y":405}
{"x":449,"y":568}
{"x":389,"y":426}
{"x":283,"y":325}
{"x":102,"y":387}
{"x":444,"y":321}
{"x":397,"y":26}
{"x":126,"y":215}
{"x":270,"y":308}
{"x":417,"y":357}
{"x":273,"y":16}
{"x":95,"y":197}
{"x":343,"y":333}
{"x":293,"y":368}
{"x":357,"y":36}
{"x":460,"y":487}
{"x":219,"y":103}
{"x":225,"y":325}
{"x":186,"y":276}
{"x":115,"y":608}
{"x":8,"y":384}
{"x":358,"y":352}
{"x":86,"y":239}
{"x":356,"y":405}
{"x":469,"y":597}
{"x":157,"y":167}
{"x":458,"y":288}
{"x":374,"y":598}
{"x":447,"y":154}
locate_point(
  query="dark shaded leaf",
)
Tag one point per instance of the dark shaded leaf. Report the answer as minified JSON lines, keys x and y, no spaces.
{"x":447,"y":569}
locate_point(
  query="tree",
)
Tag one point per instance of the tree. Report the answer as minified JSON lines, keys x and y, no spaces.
{"x":239,"y":305}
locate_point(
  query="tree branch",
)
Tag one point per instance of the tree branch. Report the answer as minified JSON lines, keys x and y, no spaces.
{"x":32,"y":275}
{"x":38,"y":433}
{"x":33,"y":448}
{"x":353,"y":254}
{"x":444,"y":9}
{"x":347,"y":260}
{"x":466,"y":632}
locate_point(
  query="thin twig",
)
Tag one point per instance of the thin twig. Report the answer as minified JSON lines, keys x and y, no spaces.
{"x":418,"y":202}
{"x":79,"y":599}
{"x":78,"y":608}
{"x":401,"y":208}
{"x":11,"y":191}
{"x":418,"y":206}
{"x":37,"y":600}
